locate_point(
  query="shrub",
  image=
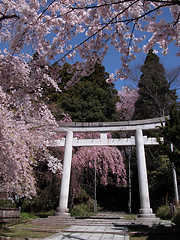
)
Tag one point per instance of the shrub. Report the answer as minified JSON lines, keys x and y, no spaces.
{"x":176,"y":218}
{"x":83,"y":210}
{"x":7,"y":203}
{"x":164,"y":212}
{"x":27,"y":216}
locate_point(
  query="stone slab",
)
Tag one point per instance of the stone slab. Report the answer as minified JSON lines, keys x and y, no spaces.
{"x":92,"y":233}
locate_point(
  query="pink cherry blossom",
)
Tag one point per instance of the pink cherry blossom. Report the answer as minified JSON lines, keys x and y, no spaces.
{"x":125,"y":106}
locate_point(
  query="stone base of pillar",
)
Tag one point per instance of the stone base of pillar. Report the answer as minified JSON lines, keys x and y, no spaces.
{"x":62,"y":212}
{"x":148,"y":216}
{"x":147,"y":213}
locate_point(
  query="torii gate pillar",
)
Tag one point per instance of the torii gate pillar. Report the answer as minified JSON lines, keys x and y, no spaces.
{"x":145,"y":211}
{"x":64,"y":193}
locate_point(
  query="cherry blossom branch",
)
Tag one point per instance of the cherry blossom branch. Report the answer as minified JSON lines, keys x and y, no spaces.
{"x":111,"y":21}
{"x":46,"y":9}
{"x":177,"y":20}
{"x":129,"y":45}
{"x":174,"y":2}
{"x":143,"y":15}
{"x":8,"y":16}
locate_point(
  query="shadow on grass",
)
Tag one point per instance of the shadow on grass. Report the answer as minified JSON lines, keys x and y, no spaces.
{"x":140,"y":232}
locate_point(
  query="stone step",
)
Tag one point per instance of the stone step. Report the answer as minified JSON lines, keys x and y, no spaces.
{"x":100,"y":232}
{"x":70,"y":223}
{"x":61,"y":217}
{"x":60,"y":221}
{"x":106,"y":217}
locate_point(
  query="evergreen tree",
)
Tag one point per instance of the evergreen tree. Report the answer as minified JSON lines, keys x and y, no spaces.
{"x":155,"y":97}
{"x":91,"y":99}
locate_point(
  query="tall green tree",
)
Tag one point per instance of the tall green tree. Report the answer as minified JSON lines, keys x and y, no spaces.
{"x":91,"y":99}
{"x":155,"y":96}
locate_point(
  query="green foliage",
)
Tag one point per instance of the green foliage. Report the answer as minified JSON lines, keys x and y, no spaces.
{"x":164,"y":212}
{"x":155,"y":97}
{"x":27,"y":216}
{"x":6,"y":203}
{"x":91,"y":99}
{"x":83,"y":204}
{"x":172,"y":127}
{"x":160,"y":180}
{"x":18,"y":233}
{"x":176,"y":218}
{"x":83,"y":209}
{"x":87,"y":102}
{"x":82,"y":197}
{"x":47,"y":197}
{"x":160,"y":172}
{"x":32,"y":215}
{"x":171,"y":134}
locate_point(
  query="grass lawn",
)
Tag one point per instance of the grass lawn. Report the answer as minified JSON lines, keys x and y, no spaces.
{"x":21,"y":233}
{"x":25,"y":229}
{"x":28,"y":230}
{"x":129,"y":216}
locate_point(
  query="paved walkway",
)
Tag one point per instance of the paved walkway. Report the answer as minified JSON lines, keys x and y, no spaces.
{"x":101,"y":227}
{"x":77,"y":232}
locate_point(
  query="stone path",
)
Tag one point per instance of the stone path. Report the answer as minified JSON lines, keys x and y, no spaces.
{"x":100,"y":227}
{"x":77,"y":232}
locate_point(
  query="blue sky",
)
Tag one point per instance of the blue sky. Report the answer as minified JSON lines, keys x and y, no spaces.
{"x":112,"y":62}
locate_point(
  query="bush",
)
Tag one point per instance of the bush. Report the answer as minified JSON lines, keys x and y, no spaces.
{"x":164,"y":212}
{"x":176,"y":218}
{"x":7,"y":203}
{"x":27,"y":216}
{"x":83,"y":210}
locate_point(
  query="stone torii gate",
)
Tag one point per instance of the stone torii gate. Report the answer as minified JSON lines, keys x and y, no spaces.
{"x":138,"y":140}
